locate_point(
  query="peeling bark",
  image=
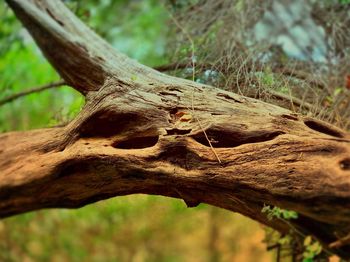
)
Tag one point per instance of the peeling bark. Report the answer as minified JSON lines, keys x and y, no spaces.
{"x":151,"y":135}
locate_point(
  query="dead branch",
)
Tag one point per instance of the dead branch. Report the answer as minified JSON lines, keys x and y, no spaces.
{"x":31,"y":91}
{"x":132,"y":137}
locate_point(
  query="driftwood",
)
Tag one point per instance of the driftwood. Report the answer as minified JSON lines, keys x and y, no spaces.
{"x":142,"y":131}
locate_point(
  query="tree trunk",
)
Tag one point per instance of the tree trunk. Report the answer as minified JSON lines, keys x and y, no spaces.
{"x":145,"y":132}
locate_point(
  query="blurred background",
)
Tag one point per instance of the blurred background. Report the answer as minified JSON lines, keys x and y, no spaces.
{"x":291,"y":53}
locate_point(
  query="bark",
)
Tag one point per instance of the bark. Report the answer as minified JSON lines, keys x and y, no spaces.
{"x":145,"y":132}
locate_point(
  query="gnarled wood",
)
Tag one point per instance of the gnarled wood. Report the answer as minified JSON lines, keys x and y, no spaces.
{"x":149,"y":135}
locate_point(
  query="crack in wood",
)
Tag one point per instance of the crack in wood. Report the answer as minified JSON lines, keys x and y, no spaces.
{"x":137,"y":142}
{"x":323,"y":128}
{"x":230,"y":138}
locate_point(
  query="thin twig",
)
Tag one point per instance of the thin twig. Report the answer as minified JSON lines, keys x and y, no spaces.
{"x":300,"y":75}
{"x":205,"y":133}
{"x":340,"y":242}
{"x":293,"y":100}
{"x":171,"y":67}
{"x":177,"y":66}
{"x":280,"y":70}
{"x":191,"y":42}
{"x":31,"y":91}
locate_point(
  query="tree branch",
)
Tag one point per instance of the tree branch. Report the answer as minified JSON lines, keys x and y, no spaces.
{"x":150,"y":143}
{"x":31,"y":91}
{"x":145,"y":134}
{"x":80,"y":56}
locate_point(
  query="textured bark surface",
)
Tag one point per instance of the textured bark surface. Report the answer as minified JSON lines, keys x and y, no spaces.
{"x":145,"y":132}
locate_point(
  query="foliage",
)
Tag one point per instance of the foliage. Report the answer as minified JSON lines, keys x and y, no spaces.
{"x":279,"y":213}
{"x":131,"y":228}
{"x":21,"y":67}
{"x":312,"y":249}
{"x":142,"y":23}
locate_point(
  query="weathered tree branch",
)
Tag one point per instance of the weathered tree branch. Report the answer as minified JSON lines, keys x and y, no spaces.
{"x":81,"y":57}
{"x":31,"y":91}
{"x":146,"y":135}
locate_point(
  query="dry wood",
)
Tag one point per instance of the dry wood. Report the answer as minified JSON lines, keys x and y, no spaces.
{"x":138,"y":134}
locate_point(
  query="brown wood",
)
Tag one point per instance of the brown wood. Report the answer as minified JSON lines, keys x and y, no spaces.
{"x":145,"y":132}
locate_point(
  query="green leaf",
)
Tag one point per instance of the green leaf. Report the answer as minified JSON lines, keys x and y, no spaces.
{"x":285,"y":240}
{"x":287,"y":214}
{"x":307,"y":241}
{"x":316,"y":248}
